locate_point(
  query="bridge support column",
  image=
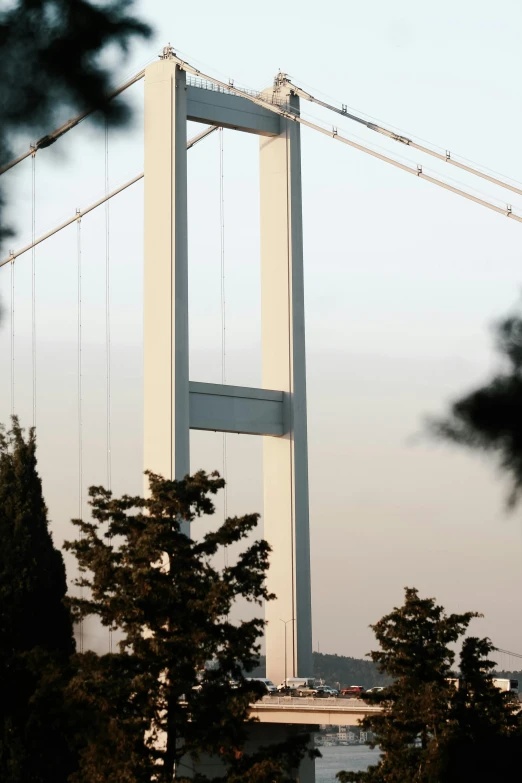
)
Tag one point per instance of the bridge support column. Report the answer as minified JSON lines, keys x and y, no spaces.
{"x":167,"y":409}
{"x":285,"y":459}
{"x":166,"y":357}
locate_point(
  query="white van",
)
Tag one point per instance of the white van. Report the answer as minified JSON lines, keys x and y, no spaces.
{"x":506,"y":685}
{"x":298,"y":684}
{"x":269,"y":685}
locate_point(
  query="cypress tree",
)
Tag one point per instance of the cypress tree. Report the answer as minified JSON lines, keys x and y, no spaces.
{"x":485,"y":741}
{"x":176,"y":690}
{"x":36,"y":633}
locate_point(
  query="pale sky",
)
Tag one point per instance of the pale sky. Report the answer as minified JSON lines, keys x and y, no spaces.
{"x":402,"y":282}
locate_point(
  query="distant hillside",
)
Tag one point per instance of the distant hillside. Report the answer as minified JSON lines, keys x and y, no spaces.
{"x":347,"y":671}
{"x":338,"y":669}
{"x":335,"y":669}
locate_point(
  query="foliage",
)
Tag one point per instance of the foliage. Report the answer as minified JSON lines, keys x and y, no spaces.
{"x":414,"y":651}
{"x":488,"y":419}
{"x":52,"y":59}
{"x":428,"y":727}
{"x":486,"y":738}
{"x":176,"y":688}
{"x":36,"y":636}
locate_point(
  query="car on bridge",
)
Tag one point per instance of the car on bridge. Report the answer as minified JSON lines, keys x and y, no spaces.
{"x":269,"y":685}
{"x":353,"y":691}
{"x":325,"y":691}
{"x":298,"y":686}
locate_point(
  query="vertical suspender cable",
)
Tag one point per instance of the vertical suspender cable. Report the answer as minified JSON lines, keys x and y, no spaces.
{"x":108,"y":325}
{"x":223,"y":319}
{"x":79,"y":410}
{"x":12,"y":337}
{"x":107,"y":309}
{"x":33,"y":279}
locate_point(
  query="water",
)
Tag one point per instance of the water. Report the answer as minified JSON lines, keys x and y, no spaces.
{"x":352,"y":758}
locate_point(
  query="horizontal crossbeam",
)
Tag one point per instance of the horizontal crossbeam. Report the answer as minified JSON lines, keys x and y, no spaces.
{"x":237,"y":409}
{"x":230,"y":111}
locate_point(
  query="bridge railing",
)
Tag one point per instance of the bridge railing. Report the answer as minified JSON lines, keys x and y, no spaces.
{"x":204,"y":84}
{"x":324,"y":705}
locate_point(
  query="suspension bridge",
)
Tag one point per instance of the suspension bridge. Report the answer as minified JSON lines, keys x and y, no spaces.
{"x":177,"y":93}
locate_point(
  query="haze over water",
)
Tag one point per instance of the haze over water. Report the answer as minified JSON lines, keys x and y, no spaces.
{"x":351,"y":758}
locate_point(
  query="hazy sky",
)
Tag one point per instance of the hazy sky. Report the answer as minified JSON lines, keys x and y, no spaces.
{"x":402,"y":282}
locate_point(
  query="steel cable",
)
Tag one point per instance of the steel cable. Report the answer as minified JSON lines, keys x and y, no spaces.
{"x":33,"y":279}
{"x":108,"y":328}
{"x":79,"y":384}
{"x":12,"y":337}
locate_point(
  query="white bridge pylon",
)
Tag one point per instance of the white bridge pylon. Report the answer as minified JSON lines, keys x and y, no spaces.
{"x":172,"y":403}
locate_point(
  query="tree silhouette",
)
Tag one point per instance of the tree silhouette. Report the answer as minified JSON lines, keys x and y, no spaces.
{"x":414,"y":644}
{"x":435,"y":727}
{"x":485,"y":740}
{"x":176,"y":691}
{"x":489,"y":419}
{"x":36,"y":636}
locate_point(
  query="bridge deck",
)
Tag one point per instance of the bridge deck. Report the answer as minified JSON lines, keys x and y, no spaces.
{"x":331,"y":712}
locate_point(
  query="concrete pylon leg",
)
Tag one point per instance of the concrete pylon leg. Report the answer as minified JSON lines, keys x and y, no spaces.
{"x":285,"y":460}
{"x":166,"y":357}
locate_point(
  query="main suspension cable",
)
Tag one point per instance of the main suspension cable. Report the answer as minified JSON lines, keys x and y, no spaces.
{"x":289,"y":115}
{"x":508,"y":652}
{"x":14,"y":254}
{"x":50,"y":138}
{"x":56,"y":134}
{"x":446,"y":157}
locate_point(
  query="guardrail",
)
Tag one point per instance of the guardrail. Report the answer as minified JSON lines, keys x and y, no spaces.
{"x":321,"y":705}
{"x":204,"y":84}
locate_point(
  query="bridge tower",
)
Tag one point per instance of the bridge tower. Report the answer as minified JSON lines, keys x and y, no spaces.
{"x":172,"y":403}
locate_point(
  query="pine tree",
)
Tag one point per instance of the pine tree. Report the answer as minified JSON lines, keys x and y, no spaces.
{"x":36,"y":635}
{"x":412,"y":729}
{"x":167,"y":696}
